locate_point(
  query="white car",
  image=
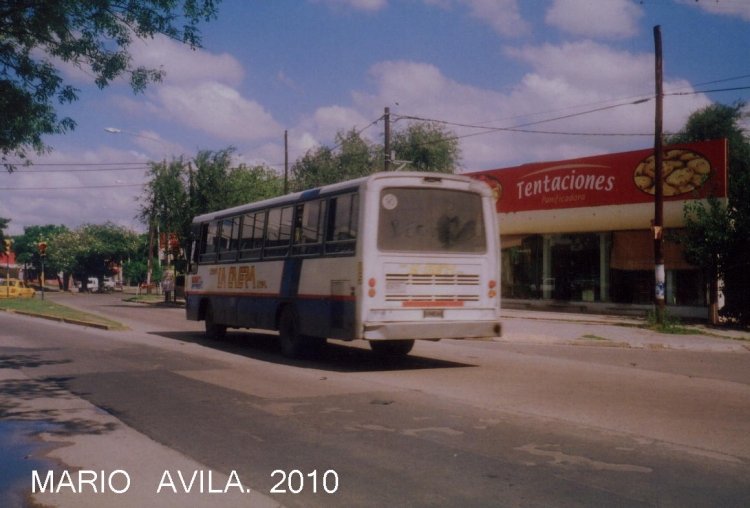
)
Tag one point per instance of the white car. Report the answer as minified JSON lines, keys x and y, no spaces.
{"x":92,"y":285}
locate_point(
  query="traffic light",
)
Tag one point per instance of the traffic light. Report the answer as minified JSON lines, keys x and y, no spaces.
{"x":8,"y":244}
{"x":42,"y":248}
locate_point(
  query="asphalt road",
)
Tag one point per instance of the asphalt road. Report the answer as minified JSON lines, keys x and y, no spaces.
{"x":506,"y":423}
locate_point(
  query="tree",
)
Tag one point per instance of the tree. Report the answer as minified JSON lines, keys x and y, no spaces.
{"x":250,"y":184}
{"x":315,"y":168}
{"x":27,"y":246}
{"x":211,"y":186}
{"x":717,"y":237}
{"x":91,"y":250}
{"x":3,"y":225}
{"x":176,"y":193}
{"x":37,"y":37}
{"x":164,"y":206}
{"x":427,"y":147}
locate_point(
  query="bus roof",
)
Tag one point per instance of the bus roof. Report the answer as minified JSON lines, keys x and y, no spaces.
{"x":332,"y":189}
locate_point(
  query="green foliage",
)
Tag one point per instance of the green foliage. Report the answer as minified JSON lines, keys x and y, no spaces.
{"x":249,"y":184}
{"x":707,"y":233}
{"x":210,"y":181}
{"x":355,"y":157}
{"x":3,"y":224}
{"x":52,"y":310}
{"x":717,"y":237}
{"x":669,"y":324}
{"x":135,"y":271}
{"x":427,"y":147}
{"x":164,"y":205}
{"x":176,"y":192}
{"x":91,"y":250}
{"x":317,"y":167}
{"x":27,"y":250}
{"x":424,"y":147}
{"x":91,"y":34}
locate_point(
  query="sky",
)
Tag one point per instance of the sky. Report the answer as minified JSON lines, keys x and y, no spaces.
{"x":580,"y":73}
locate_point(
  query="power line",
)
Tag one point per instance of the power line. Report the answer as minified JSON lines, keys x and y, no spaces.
{"x":521,"y":127}
{"x":74,"y":187}
{"x":83,"y":170}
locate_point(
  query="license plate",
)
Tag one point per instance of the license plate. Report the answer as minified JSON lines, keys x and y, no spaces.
{"x":433,"y":313}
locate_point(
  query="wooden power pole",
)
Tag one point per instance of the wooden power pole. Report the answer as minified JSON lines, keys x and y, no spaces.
{"x":387,"y":140}
{"x":658,"y":228}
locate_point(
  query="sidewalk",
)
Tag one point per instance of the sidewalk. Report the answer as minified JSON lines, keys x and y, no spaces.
{"x":68,"y":435}
{"x":616,"y":331}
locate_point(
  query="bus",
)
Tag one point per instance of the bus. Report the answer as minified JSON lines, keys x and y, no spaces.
{"x":388,"y":258}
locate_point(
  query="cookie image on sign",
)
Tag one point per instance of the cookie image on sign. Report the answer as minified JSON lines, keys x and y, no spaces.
{"x":683,"y":171}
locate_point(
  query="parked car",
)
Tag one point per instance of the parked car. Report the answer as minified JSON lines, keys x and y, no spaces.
{"x":14,"y":288}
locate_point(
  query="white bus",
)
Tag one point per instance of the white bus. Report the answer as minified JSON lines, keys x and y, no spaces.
{"x":388,"y":258}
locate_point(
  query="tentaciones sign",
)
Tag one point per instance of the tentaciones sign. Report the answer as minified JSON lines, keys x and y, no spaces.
{"x":692,"y":171}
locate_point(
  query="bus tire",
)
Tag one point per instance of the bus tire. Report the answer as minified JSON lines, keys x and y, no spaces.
{"x":214,"y":330}
{"x":392,"y":347}
{"x":292,"y":342}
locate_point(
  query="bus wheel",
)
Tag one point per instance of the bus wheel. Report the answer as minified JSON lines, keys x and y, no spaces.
{"x":214,"y":330}
{"x":391,"y":347}
{"x":291,"y":340}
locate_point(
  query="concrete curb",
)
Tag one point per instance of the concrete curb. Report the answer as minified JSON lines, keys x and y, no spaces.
{"x":79,"y":322}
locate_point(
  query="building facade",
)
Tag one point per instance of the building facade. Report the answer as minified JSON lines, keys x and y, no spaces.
{"x":579,"y":232}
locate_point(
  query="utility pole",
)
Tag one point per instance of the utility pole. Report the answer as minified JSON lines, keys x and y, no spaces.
{"x":658,"y":228}
{"x":286,"y":162}
{"x":387,"y":140}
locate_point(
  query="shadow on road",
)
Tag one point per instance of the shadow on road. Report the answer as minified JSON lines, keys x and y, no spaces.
{"x":334,"y":357}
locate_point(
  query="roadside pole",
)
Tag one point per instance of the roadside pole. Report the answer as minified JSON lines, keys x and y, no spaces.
{"x":658,"y":227}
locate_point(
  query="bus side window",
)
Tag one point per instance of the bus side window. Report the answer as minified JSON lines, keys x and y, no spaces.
{"x":208,"y":241}
{"x":228,"y":239}
{"x":308,"y":234}
{"x":251,"y":239}
{"x":341,"y":230}
{"x":278,"y":232}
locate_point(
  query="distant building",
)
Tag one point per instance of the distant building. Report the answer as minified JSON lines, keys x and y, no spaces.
{"x":8,"y":265}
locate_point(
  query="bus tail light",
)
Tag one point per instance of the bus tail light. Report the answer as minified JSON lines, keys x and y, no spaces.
{"x":492,"y":293}
{"x":372,"y":283}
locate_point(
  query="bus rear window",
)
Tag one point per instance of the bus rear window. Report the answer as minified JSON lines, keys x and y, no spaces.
{"x":431,"y":220}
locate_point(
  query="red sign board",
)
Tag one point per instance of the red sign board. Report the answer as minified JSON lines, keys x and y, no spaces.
{"x":690,"y":171}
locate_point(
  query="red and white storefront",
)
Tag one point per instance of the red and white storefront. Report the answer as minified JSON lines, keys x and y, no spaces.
{"x":578,"y":232}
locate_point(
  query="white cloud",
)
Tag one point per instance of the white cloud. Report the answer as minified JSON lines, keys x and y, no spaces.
{"x":608,"y":19}
{"x":362,"y":5}
{"x":200,"y":91}
{"x":590,"y":66}
{"x":562,"y":80}
{"x":739,"y":8}
{"x":322,"y":126}
{"x":183,"y":65}
{"x":502,"y":15}
{"x":57,"y":191}
{"x":217,"y":109}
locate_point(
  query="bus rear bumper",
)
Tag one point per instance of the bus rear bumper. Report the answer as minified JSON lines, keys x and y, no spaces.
{"x":431,"y":330}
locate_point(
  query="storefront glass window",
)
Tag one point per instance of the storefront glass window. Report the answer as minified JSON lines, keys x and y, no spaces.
{"x":596,"y":267}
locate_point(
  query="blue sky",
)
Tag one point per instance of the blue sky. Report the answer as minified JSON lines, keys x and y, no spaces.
{"x":316,"y":67}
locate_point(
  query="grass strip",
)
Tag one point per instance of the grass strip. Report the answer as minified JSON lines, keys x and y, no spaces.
{"x":52,"y":310}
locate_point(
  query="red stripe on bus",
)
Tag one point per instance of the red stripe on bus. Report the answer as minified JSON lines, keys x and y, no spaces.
{"x":445,"y":303}
{"x":345,"y":298}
